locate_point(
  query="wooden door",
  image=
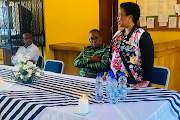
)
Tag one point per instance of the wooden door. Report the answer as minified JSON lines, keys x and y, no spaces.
{"x":108,"y":11}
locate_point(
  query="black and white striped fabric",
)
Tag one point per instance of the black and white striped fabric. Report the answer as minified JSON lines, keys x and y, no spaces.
{"x":61,"y":91}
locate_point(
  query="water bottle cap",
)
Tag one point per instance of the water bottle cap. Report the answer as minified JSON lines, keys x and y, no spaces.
{"x":109,"y":71}
{"x":122,"y":74}
{"x":112,"y":76}
{"x":99,"y":74}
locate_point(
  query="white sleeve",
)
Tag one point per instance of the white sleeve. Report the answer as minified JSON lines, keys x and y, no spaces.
{"x":34,"y":54}
{"x":14,"y":59}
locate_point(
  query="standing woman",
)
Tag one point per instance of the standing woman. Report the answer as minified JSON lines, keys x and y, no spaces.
{"x":131,"y":49}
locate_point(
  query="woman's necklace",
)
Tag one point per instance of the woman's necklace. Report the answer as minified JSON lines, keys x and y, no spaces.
{"x":124,"y":37}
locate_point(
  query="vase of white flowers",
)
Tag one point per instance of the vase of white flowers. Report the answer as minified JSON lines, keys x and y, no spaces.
{"x":25,"y":72}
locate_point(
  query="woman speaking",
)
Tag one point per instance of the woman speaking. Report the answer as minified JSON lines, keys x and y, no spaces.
{"x":131,"y":49}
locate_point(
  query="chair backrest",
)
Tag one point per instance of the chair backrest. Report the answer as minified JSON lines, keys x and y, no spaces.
{"x":40,"y":62}
{"x":54,"y":66}
{"x":161,"y":76}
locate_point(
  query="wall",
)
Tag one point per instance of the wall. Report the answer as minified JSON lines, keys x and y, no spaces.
{"x":69,"y":21}
{"x":1,"y":54}
{"x":159,"y":36}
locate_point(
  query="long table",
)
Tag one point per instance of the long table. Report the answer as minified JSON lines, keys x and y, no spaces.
{"x":55,"y":97}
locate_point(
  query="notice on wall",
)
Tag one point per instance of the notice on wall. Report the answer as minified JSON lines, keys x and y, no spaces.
{"x":177,"y":9}
{"x":172,"y":22}
{"x":151,"y":7}
{"x":170,"y":7}
{"x":143,"y":7}
{"x":162,"y":24}
{"x":157,"y":7}
{"x":150,"y":22}
{"x":142,"y":21}
{"x":161,"y":7}
{"x":162,"y":18}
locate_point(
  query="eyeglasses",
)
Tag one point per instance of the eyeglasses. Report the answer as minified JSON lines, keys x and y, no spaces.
{"x":93,"y":38}
{"x":27,"y":38}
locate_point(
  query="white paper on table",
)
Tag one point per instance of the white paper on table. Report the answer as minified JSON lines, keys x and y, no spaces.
{"x":170,"y":7}
{"x":161,"y":7}
{"x":151,"y":7}
{"x":162,"y":18}
{"x":179,"y":23}
{"x":172,"y":22}
{"x":177,"y":9}
{"x":142,"y":21}
{"x":150,"y":22}
{"x":162,"y":23}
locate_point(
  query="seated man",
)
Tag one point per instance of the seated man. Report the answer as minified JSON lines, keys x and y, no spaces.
{"x":92,"y":59}
{"x":29,"y":49}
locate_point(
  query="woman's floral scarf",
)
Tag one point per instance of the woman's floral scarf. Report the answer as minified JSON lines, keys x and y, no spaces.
{"x":131,"y":53}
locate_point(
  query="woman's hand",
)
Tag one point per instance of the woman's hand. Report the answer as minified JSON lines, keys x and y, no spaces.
{"x":141,"y":85}
{"x":104,"y":76}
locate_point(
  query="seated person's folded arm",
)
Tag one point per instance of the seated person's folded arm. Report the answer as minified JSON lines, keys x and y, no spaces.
{"x":100,"y":65}
{"x":96,"y":58}
{"x":14,"y":59}
{"x":80,"y":61}
{"x":33,"y":55}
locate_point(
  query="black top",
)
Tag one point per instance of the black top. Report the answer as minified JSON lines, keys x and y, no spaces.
{"x":147,"y":54}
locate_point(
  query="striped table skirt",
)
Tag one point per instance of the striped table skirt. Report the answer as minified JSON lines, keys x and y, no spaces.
{"x":63,"y":90}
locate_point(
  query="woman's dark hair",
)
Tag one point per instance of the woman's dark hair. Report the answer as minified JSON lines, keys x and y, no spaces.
{"x":131,"y":9}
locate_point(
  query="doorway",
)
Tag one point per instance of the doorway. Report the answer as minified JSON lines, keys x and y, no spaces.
{"x":108,"y":12}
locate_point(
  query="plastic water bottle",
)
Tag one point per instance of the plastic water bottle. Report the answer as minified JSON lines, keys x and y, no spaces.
{"x":108,"y":83}
{"x":109,"y":75}
{"x":122,"y":88}
{"x":99,"y":87}
{"x":114,"y":91}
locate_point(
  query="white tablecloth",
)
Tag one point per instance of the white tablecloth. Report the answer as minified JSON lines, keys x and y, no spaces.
{"x":155,"y":110}
{"x":122,"y":111}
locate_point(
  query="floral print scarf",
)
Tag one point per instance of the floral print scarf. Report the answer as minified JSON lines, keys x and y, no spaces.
{"x":131,"y":53}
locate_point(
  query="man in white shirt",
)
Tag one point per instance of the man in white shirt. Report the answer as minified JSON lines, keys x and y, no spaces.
{"x":29,"y":49}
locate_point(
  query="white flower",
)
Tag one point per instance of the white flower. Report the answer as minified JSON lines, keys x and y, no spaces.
{"x":20,"y":56}
{"x":27,"y":57}
{"x":34,"y":66}
{"x":38,"y":74}
{"x":21,"y":76}
{"x":29,"y":63}
{"x":29,"y":75}
{"x":25,"y":67}
{"x":23,"y":60}
{"x":19,"y":60}
{"x":16,"y":68}
{"x":29,"y":71}
{"x":38,"y":70}
{"x":16,"y":73}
